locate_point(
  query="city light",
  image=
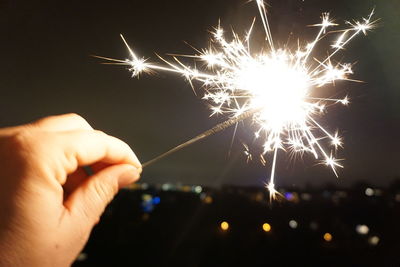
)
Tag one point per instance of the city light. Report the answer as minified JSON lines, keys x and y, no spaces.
{"x":328,"y":237}
{"x":373,"y":240}
{"x":266,"y":227}
{"x":362,"y":229}
{"x":197,"y":189}
{"x":207,"y":199}
{"x":369,"y":192}
{"x":224,"y":226}
{"x":293,"y":224}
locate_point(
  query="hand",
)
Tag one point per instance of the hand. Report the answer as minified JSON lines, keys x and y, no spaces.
{"x":48,"y":204}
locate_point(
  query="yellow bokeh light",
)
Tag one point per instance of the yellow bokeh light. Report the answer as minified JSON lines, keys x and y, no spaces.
{"x":208,"y":200}
{"x":266,"y":227}
{"x":224,"y":226}
{"x":328,"y":237}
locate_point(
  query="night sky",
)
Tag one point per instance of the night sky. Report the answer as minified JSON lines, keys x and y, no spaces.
{"x":46,"y":69}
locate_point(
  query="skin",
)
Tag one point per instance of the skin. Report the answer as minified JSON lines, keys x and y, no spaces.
{"x":48,"y":204}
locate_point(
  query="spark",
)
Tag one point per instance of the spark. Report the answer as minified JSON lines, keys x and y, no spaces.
{"x":249,"y":156}
{"x":281,"y":84}
{"x":272,"y":191}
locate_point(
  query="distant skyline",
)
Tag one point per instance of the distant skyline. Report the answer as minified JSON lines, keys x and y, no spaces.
{"x":46,"y":69}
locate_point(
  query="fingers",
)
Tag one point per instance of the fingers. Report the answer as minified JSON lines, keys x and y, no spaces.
{"x":90,"y":199}
{"x":66,"y":122}
{"x":83,"y":148}
{"x":74,"y":180}
{"x":58,"y":123}
{"x":87,"y":146}
{"x":98,"y":166}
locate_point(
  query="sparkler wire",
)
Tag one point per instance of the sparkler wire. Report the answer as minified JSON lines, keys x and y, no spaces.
{"x":217,"y":128}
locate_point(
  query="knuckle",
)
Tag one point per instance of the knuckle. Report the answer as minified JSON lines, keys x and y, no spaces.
{"x":31,"y":144}
{"x":75,"y":116}
{"x":21,"y":148}
{"x":35,"y":152}
{"x":78,"y":119}
{"x":70,"y":161}
{"x":20,"y":141}
{"x":100,"y":133}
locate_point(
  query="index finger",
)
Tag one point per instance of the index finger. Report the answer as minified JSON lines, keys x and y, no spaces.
{"x":64,"y":122}
{"x":56,"y":123}
{"x":86,"y":147}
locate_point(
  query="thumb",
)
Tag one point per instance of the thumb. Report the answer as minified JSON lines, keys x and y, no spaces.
{"x":90,"y":199}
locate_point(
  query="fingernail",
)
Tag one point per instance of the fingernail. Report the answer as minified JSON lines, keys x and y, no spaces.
{"x":129,"y":176}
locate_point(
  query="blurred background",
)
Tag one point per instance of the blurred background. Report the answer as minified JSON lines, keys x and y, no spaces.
{"x":180,"y":225}
{"x":205,"y":205}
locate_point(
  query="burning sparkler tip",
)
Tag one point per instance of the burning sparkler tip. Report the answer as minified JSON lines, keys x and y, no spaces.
{"x":273,"y":193}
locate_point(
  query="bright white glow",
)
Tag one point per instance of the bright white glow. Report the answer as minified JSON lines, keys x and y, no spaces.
{"x":369,"y":192}
{"x":282,"y":86}
{"x":293,"y":224}
{"x":362,"y":229}
{"x":197,"y":189}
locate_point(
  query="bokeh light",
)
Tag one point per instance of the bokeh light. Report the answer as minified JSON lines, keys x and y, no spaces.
{"x":197,"y":189}
{"x":373,"y":240}
{"x":328,"y":237}
{"x":293,"y":224}
{"x":362,"y":229}
{"x":224,"y":226}
{"x":369,"y":192}
{"x":266,"y":227}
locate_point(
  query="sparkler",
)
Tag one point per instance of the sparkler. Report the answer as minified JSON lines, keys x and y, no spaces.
{"x":217,"y":128}
{"x":277,"y":88}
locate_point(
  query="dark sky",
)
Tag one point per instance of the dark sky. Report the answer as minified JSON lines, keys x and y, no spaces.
{"x":46,"y":69}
